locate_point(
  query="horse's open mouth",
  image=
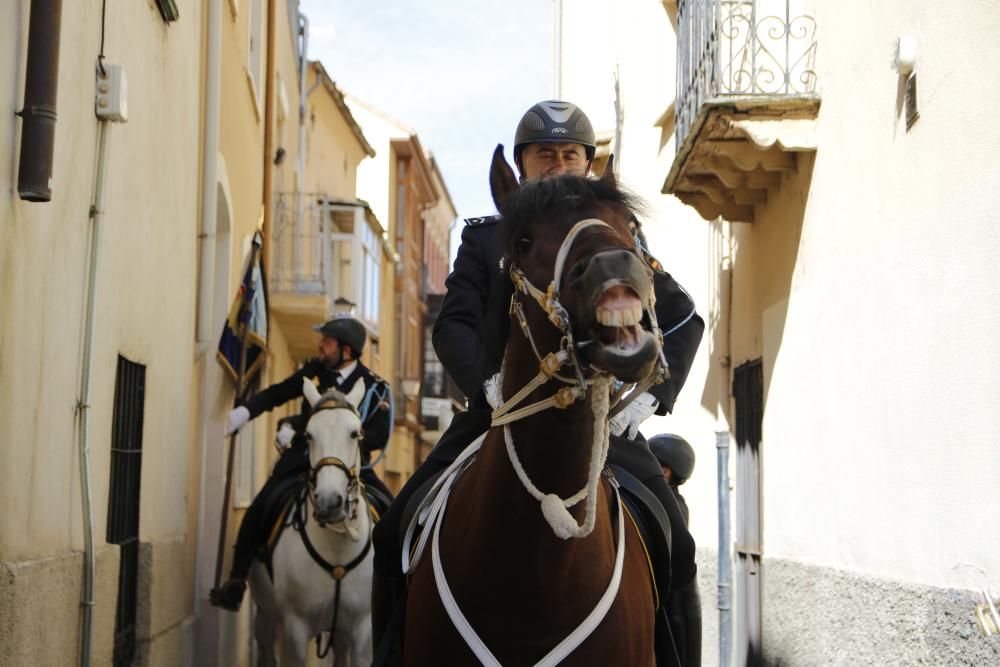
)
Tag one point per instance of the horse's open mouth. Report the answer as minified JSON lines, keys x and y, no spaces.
{"x":624,"y":344}
{"x":618,"y":312}
{"x":324,"y":517}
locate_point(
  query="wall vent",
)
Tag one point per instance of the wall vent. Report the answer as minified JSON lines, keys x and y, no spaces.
{"x":910,"y":101}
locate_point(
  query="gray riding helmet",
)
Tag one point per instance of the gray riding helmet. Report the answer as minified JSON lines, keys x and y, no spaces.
{"x":555,"y":120}
{"x":674,"y":452}
{"x":347,"y":329}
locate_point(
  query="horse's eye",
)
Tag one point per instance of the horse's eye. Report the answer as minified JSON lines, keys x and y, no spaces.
{"x":524,"y":244}
{"x":355,"y":435}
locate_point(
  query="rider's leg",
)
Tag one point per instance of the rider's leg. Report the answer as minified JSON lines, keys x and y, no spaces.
{"x":252,"y":529}
{"x":372,"y":481}
{"x":388,"y":586}
{"x":636,"y":458}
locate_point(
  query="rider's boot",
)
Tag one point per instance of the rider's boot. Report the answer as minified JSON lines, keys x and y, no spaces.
{"x":388,"y":601}
{"x":229,"y":596}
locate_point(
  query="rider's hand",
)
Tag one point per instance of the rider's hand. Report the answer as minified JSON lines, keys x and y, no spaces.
{"x":284,"y":436}
{"x":237,"y":418}
{"x":626,"y":422}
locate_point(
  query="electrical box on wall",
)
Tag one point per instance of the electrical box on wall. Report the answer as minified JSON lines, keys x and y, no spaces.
{"x":111,"y":102}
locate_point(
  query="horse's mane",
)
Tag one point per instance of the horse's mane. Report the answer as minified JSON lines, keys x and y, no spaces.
{"x":561,"y":195}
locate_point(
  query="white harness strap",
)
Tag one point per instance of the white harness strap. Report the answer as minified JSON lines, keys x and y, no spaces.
{"x":563,"y":648}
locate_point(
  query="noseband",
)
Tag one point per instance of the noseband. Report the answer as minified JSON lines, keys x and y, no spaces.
{"x":333,"y":402}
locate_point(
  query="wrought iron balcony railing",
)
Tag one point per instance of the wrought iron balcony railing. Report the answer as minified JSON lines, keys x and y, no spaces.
{"x":741,"y":48}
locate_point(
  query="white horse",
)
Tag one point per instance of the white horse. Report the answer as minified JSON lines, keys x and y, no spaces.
{"x":310,"y":593}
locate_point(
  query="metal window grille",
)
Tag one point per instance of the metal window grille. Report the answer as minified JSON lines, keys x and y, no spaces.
{"x":123,"y":499}
{"x":748,"y":391}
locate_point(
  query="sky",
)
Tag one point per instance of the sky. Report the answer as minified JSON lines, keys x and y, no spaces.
{"x":459,"y":73}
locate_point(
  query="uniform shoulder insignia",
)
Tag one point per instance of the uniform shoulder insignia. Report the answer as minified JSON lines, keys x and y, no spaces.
{"x":485,"y":220}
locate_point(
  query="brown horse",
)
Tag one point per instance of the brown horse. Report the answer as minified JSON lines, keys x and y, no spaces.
{"x":523,"y":579}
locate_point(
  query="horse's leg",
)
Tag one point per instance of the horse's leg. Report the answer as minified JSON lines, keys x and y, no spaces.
{"x":264,"y":632}
{"x":343,"y":655}
{"x":266,"y":620}
{"x":294,"y":641}
{"x":360,"y":641}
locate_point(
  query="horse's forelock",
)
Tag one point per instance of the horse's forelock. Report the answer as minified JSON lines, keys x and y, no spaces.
{"x":561,"y":196}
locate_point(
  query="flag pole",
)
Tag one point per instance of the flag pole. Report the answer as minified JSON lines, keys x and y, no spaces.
{"x":231,"y":457}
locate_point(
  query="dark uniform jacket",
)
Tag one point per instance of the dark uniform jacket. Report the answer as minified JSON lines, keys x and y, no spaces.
{"x":374,"y":410}
{"x":470,"y":332}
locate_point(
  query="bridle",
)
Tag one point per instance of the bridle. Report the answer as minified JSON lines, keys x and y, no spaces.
{"x":354,"y":484}
{"x":567,"y":354}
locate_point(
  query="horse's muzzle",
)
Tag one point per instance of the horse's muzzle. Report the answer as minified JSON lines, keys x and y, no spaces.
{"x":616,"y":284}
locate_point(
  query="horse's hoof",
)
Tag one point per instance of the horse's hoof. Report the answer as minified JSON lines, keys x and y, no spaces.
{"x":229,"y":596}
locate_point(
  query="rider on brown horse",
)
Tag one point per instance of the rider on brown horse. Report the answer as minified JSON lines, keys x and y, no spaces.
{"x":553,"y":138}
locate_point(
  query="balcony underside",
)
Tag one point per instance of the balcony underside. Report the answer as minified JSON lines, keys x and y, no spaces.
{"x":737,"y":151}
{"x":296,"y":314}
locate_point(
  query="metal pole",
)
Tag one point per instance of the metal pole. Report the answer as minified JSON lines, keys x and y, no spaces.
{"x":241,"y":377}
{"x":725,"y":566}
{"x":558,"y":48}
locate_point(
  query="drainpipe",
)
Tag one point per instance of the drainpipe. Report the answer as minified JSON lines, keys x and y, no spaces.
{"x":83,"y":404}
{"x":38,"y":116}
{"x":300,"y":166}
{"x":209,"y":222}
{"x":209,"y":176}
{"x":725,"y":567}
{"x":268,"y":138}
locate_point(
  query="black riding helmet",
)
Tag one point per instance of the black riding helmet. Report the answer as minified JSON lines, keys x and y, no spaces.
{"x":347,"y":329}
{"x":555,"y":120}
{"x":674,"y":452}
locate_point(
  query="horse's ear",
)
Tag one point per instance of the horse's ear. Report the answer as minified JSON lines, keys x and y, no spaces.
{"x":356,"y":394}
{"x":502,"y":179}
{"x":609,"y":172}
{"x":310,"y":392}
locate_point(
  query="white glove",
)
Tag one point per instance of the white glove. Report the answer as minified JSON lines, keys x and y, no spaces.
{"x":284,"y":436}
{"x":237,"y":418}
{"x":639,"y":410}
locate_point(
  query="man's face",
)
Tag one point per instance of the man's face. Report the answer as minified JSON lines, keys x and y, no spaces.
{"x":667,"y":474}
{"x":549,"y":159}
{"x":329,"y":349}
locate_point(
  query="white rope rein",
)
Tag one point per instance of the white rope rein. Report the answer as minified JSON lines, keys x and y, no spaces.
{"x":555,"y":509}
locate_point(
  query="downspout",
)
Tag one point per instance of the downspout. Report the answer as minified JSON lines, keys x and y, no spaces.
{"x":301,"y":162}
{"x":268,"y":138}
{"x":209,"y":175}
{"x":209,"y":223}
{"x":38,"y":115}
{"x":725,"y":567}
{"x":725,"y":593}
{"x":83,"y":404}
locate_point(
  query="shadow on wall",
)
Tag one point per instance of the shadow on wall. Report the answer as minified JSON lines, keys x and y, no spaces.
{"x":752,"y":276}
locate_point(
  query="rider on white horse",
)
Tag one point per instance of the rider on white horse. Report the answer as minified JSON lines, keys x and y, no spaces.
{"x":342,"y":340}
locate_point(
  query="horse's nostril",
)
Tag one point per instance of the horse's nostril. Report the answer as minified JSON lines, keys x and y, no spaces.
{"x":576,"y":273}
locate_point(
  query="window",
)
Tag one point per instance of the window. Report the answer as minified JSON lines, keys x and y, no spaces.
{"x":123,"y":499}
{"x":371,"y":284}
{"x":748,"y":391}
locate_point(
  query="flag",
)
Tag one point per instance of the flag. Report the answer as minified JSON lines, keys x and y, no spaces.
{"x":248,"y":314}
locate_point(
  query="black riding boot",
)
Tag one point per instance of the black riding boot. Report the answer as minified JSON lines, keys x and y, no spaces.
{"x":230,"y":594}
{"x":388,"y":610}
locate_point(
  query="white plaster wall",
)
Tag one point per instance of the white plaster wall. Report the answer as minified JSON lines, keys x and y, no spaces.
{"x":375,"y":175}
{"x":146,"y":283}
{"x":880,"y":361}
{"x":880,"y":423}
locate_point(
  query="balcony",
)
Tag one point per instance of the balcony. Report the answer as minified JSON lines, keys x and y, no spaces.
{"x":746,"y":102}
{"x":322,"y":250}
